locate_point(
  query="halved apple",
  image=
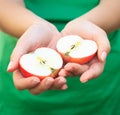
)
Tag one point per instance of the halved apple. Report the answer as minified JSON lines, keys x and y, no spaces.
{"x":43,"y":62}
{"x":73,"y":48}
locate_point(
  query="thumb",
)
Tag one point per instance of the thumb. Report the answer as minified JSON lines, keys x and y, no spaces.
{"x":103,"y":46}
{"x":26,"y":43}
{"x":19,"y":50}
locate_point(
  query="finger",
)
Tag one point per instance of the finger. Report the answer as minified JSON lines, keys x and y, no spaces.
{"x":58,"y":83}
{"x":64,"y":73}
{"x":22,"y":83}
{"x":75,"y":69}
{"x":94,"y":71}
{"x":19,"y":50}
{"x":43,"y":86}
{"x":100,"y":37}
{"x":64,"y":87}
{"x":104,"y":48}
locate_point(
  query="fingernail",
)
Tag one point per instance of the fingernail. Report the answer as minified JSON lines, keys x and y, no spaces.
{"x":103,"y":56}
{"x":64,"y":87}
{"x":35,"y":81}
{"x":9,"y":65}
{"x":85,"y":80}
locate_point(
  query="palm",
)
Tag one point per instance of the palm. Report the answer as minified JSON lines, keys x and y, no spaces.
{"x":39,"y":36}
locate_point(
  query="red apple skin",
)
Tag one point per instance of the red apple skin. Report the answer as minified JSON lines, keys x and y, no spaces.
{"x":27,"y":74}
{"x":77,"y":60}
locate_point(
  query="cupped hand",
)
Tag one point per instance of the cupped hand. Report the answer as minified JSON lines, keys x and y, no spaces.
{"x":87,"y":30}
{"x":37,"y":35}
{"x":35,"y":86}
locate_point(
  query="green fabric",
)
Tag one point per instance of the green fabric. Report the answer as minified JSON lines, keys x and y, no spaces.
{"x":100,"y":96}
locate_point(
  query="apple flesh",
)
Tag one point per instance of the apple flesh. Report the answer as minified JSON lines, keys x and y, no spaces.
{"x":75,"y":49}
{"x":43,"y":62}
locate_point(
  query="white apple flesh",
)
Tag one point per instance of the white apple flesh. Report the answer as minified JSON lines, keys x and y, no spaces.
{"x":43,"y":62}
{"x":73,"y":48}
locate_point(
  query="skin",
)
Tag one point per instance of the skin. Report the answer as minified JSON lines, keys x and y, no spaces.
{"x":27,"y":29}
{"x":87,"y":30}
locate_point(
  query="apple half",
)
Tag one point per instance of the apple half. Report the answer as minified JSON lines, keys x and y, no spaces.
{"x":43,"y":62}
{"x":75,"y":49}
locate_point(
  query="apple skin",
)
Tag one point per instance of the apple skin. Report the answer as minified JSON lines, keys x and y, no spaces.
{"x":80,"y":60}
{"x":53,"y":74}
{"x":28,"y":74}
{"x":77,"y":60}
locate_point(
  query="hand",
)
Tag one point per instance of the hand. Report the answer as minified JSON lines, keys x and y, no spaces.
{"x":38,"y":35}
{"x":87,"y":30}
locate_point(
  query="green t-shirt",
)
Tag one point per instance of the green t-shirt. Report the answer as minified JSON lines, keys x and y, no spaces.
{"x":100,"y":96}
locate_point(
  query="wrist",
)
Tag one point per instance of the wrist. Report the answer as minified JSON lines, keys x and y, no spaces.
{"x":100,"y":17}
